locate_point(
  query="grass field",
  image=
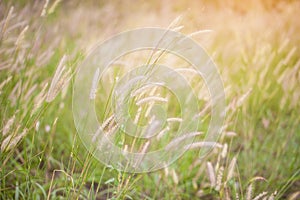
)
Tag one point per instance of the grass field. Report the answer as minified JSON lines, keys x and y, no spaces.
{"x":255,"y":45}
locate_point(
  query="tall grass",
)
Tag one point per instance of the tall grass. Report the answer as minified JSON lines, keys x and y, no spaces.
{"x":256,"y":48}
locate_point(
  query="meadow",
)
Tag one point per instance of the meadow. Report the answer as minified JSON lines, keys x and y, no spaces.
{"x":255,"y":45}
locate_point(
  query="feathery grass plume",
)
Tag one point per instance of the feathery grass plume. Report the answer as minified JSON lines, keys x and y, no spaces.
{"x":258,"y":178}
{"x":194,"y":183}
{"x":204,"y":110}
{"x":96,"y":134}
{"x":8,"y":17}
{"x":290,"y":55}
{"x":104,"y":126}
{"x":249,"y":192}
{"x":39,"y":99}
{"x":196,"y":145}
{"x":241,"y":100}
{"x":95,"y":84}
{"x":175,"y":22}
{"x":199,"y":32}
{"x":153,"y":127}
{"x":230,"y":134}
{"x":174,"y":119}
{"x":259,"y":196}
{"x":224,"y":150}
{"x":149,"y":108}
{"x":177,"y":29}
{"x":15,"y":92}
{"x":30,"y":91}
{"x":44,"y":11}
{"x":250,"y":188}
{"x":166,"y":170}
{"x":231,"y":168}
{"x":8,"y":125}
{"x":108,"y":133}
{"x":59,"y":80}
{"x":138,"y":115}
{"x":43,"y":58}
{"x":145,"y":147}
{"x":227,"y":195}
{"x":175,"y":177}
{"x":151,"y":103}
{"x":236,"y":186}
{"x":11,"y":141}
{"x":37,"y":126}
{"x":179,"y":139}
{"x":4,"y":83}
{"x":294,"y":196}
{"x":125,"y":149}
{"x":218,"y":163}
{"x":150,"y":99}
{"x":107,"y":122}
{"x":187,"y":70}
{"x":54,"y":6}
{"x":21,"y":37}
{"x":112,"y":130}
{"x":211,"y":174}
{"x":272,"y":196}
{"x":269,"y":198}
{"x":143,"y":151}
{"x":283,"y":45}
{"x":200,"y":193}
{"x":143,"y":89}
{"x":219,"y":178}
{"x":278,"y":67}
{"x":162,"y":132}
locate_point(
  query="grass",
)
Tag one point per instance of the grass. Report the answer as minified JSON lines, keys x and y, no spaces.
{"x":255,"y":46}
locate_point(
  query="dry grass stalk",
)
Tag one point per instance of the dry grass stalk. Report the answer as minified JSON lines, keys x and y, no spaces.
{"x":8,"y":17}
{"x":294,"y":196}
{"x":142,"y":90}
{"x":8,"y":125}
{"x":175,"y":177}
{"x":54,"y":6}
{"x":219,"y":178}
{"x":249,"y":192}
{"x":107,"y":122}
{"x":243,"y":98}
{"x":11,"y":141}
{"x":203,"y":144}
{"x":174,"y":119}
{"x":179,"y":139}
{"x":231,"y":168}
{"x":30,"y":91}
{"x":59,"y":80}
{"x":259,"y":196}
{"x":211,"y":174}
{"x":21,"y":37}
{"x":224,"y":150}
{"x":227,"y":195}
{"x":44,"y":11}
{"x":199,"y":32}
{"x":144,"y":150}
{"x":39,"y":99}
{"x":5,"y":82}
{"x":230,"y":134}
{"x":150,"y":99}
{"x":162,"y":132}
{"x":95,"y":84}
{"x":138,"y":115}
